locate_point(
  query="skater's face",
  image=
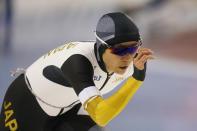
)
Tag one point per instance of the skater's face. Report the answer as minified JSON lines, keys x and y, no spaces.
{"x":118,"y":58}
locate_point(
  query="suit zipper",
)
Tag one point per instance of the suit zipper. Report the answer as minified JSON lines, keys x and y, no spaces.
{"x":106,"y":80}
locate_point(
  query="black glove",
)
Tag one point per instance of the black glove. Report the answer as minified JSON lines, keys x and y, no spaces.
{"x":139,"y":74}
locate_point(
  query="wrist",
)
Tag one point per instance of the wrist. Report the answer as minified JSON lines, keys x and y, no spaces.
{"x":139,"y":74}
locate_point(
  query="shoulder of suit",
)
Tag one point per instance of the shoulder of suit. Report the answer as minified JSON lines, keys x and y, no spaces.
{"x":81,"y":42}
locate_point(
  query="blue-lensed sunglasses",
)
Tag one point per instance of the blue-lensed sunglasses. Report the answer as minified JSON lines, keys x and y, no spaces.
{"x":124,"y":50}
{"x":121,"y":51}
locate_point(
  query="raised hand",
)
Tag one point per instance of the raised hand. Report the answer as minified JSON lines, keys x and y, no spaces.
{"x":143,"y":56}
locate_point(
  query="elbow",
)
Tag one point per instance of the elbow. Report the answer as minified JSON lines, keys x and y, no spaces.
{"x":101,"y":123}
{"x":100,"y":119}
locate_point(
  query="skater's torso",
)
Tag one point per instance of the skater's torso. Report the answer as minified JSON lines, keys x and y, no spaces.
{"x":50,"y":86}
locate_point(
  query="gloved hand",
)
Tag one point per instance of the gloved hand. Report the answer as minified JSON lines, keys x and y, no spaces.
{"x":139,"y":62}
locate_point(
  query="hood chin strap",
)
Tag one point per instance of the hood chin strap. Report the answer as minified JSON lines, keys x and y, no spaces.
{"x":99,"y":49}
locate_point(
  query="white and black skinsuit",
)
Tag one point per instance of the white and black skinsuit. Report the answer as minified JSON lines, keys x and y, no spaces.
{"x":60,"y":81}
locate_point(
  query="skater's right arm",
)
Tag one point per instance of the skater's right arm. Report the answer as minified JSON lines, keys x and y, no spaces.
{"x":102,"y":111}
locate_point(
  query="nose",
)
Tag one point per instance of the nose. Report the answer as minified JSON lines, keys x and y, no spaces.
{"x":128,"y":56}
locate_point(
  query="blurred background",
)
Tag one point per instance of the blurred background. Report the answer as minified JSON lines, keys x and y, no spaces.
{"x":167,"y":99}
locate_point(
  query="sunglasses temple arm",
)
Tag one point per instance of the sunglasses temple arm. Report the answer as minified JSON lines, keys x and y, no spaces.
{"x":103,"y":42}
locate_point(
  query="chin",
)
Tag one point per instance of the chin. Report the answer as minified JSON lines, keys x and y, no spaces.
{"x":120,"y":72}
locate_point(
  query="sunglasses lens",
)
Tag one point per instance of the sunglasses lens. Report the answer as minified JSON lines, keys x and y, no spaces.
{"x":124,"y":51}
{"x":132,"y":50}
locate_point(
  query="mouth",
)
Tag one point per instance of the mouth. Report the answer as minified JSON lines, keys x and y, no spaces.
{"x":123,"y":67}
